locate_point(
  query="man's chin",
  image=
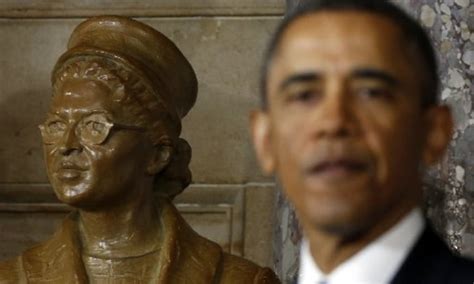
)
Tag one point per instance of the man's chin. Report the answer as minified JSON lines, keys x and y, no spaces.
{"x":344,"y":222}
{"x":335,"y":186}
{"x":347,"y":230}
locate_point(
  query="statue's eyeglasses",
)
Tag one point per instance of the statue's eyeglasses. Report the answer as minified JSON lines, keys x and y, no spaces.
{"x":92,"y":129}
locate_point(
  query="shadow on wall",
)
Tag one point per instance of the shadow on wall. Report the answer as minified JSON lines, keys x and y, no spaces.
{"x":447,"y":209}
{"x":434,"y":195}
{"x":21,"y":155}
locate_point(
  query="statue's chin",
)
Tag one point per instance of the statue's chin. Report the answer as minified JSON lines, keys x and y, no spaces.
{"x":75,"y":195}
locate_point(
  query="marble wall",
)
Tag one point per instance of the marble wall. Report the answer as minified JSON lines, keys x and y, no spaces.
{"x":449,"y":187}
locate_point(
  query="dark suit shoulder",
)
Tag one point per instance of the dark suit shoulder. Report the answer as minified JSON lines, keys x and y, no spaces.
{"x":236,"y":270}
{"x":431,"y":262}
{"x":462,"y":270}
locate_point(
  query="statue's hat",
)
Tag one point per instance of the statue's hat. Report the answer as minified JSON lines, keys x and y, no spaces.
{"x":142,"y":49}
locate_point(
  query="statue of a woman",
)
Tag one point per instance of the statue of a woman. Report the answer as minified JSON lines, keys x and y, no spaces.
{"x":111,"y":145}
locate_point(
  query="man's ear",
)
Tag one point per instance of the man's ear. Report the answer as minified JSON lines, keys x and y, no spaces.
{"x":160,"y":158}
{"x":260,"y":127}
{"x":439,"y":129}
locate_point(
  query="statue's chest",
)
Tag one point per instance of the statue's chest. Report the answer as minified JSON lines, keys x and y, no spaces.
{"x":135,"y":270}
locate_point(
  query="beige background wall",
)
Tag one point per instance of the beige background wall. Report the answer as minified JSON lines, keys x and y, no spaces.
{"x":229,"y":200}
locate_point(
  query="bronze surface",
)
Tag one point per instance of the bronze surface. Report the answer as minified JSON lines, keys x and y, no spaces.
{"x":111,"y":143}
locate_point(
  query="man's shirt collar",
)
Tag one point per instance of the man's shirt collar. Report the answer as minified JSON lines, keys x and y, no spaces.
{"x":377,"y":263}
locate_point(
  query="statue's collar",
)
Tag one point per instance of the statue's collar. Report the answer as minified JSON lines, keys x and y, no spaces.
{"x":182,"y":252}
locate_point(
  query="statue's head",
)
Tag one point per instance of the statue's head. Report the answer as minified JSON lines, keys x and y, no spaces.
{"x":112,"y":130}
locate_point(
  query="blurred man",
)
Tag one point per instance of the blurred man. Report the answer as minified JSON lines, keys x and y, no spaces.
{"x":349,"y":118}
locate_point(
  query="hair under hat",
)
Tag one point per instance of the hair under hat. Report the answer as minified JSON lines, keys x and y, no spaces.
{"x":141,"y":48}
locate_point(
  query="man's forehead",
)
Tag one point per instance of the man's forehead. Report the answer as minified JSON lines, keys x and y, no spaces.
{"x":349,"y":27}
{"x":341,"y":40}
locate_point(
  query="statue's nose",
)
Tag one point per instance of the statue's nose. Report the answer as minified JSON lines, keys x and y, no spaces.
{"x":70,"y":142}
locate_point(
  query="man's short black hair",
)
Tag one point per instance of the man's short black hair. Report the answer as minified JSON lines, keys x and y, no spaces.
{"x":412,"y":30}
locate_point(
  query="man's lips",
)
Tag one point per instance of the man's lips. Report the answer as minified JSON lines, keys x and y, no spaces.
{"x":337,"y":167}
{"x":350,"y":165}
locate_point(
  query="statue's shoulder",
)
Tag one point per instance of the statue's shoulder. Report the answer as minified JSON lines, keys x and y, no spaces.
{"x":227,"y":268}
{"x":32,"y":259}
{"x":11,"y":271}
{"x":203,"y":260}
{"x":200,"y":257}
{"x":29,"y":262}
{"x":235,"y":269}
{"x":51,"y":261}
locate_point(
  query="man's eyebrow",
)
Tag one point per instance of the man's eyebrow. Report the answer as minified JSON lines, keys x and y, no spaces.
{"x":370,"y":73}
{"x":300,"y":78}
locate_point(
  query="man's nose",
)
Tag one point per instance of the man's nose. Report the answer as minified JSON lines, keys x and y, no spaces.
{"x":69,"y":143}
{"x":335,"y":116}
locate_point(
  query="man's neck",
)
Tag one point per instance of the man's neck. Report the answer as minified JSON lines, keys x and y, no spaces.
{"x":126,"y":230}
{"x":329,"y":250}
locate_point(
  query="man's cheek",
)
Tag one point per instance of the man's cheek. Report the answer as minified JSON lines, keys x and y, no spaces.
{"x":379,"y":148}
{"x":286,"y":155}
{"x":292,"y":139}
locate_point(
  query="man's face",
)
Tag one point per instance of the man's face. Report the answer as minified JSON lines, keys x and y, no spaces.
{"x":91,"y":163}
{"x":344,"y":130}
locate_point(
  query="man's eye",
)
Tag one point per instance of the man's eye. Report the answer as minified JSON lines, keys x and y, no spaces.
{"x":305,"y":96}
{"x":374,"y":93}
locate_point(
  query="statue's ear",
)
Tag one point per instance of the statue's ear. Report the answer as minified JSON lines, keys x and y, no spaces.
{"x":439,"y":128}
{"x":119,"y":93}
{"x":160,"y":157}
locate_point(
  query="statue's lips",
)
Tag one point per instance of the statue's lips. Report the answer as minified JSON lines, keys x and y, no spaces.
{"x":69,"y":171}
{"x":68,"y":174}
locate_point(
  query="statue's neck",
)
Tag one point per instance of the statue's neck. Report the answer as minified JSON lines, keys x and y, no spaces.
{"x":126,"y":230}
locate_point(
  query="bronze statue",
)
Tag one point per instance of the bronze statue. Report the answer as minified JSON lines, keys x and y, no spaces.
{"x":111,"y":145}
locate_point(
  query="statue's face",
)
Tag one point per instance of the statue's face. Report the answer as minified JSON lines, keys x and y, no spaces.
{"x":93,"y":157}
